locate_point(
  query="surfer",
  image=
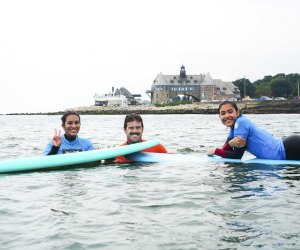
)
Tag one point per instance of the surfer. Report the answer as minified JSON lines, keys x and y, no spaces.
{"x":244,"y":135}
{"x":134,"y":128}
{"x":69,"y":142}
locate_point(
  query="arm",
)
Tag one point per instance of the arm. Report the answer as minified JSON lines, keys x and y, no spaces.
{"x":53,"y":150}
{"x":90,"y":146}
{"x":237,"y":142}
{"x":235,"y":153}
{"x":121,"y":158}
{"x":56,"y":142}
{"x":156,"y":149}
{"x":227,"y":151}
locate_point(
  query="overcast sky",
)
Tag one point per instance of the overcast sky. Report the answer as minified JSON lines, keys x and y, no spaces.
{"x":56,"y":55}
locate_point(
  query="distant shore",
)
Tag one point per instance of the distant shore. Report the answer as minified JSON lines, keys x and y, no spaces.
{"x":248,"y":107}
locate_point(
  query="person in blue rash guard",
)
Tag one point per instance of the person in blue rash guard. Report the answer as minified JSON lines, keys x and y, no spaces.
{"x":69,"y":142}
{"x":244,"y":135}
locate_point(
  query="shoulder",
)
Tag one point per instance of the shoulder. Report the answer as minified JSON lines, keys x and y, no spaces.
{"x":156,"y":149}
{"x":161,"y":148}
{"x":84,"y":140}
{"x":242,"y":120}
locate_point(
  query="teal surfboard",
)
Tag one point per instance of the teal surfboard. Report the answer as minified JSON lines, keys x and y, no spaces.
{"x":55,"y":161}
{"x":157,"y":157}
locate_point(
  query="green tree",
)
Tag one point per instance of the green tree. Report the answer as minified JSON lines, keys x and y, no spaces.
{"x":294,"y":79}
{"x":281,"y":87}
{"x":250,"y":89}
{"x":278,"y":85}
{"x":262,"y":81}
{"x":263,"y":89}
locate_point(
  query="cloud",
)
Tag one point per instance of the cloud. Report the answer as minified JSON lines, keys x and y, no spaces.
{"x":57,"y":54}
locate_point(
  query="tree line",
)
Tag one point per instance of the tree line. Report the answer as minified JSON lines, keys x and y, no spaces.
{"x":280,"y":85}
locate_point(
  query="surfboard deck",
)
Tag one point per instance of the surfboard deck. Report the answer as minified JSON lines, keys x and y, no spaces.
{"x":158,"y":157}
{"x":61,"y":160}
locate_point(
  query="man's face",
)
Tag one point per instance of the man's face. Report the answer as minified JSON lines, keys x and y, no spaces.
{"x":134,"y":131}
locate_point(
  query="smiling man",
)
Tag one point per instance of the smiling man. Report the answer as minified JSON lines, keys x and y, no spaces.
{"x":134,"y":128}
{"x":69,"y":142}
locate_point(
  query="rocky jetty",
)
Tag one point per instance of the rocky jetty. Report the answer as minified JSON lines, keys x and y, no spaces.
{"x":142,"y":109}
{"x":248,"y":107}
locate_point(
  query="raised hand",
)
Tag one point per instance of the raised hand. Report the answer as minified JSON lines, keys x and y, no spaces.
{"x":56,"y":140}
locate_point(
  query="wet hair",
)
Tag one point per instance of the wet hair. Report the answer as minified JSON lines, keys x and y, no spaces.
{"x":64,"y":117}
{"x":233,"y":104}
{"x":132,"y":118}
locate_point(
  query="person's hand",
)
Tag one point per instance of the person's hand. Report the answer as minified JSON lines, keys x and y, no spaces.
{"x":237,"y":142}
{"x":211,"y":151}
{"x":56,"y":140}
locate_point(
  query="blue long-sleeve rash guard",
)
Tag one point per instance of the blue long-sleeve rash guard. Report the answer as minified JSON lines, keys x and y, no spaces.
{"x":259,"y":142}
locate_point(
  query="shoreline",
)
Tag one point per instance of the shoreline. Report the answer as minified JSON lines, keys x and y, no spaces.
{"x":248,"y":107}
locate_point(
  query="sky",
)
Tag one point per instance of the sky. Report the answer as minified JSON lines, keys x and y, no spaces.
{"x":55,"y":55}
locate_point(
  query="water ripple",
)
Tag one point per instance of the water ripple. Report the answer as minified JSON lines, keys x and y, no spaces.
{"x":148,"y":206}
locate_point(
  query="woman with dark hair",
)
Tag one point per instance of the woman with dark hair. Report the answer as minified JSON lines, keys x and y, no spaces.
{"x":244,"y":135}
{"x":69,"y":142}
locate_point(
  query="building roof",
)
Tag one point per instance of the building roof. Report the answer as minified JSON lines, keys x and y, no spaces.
{"x":177,"y":80}
{"x":123,"y":91}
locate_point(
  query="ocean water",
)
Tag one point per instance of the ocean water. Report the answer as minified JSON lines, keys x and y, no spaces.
{"x":148,"y":206}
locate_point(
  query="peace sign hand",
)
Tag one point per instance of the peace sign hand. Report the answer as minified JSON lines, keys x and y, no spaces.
{"x":56,"y":140}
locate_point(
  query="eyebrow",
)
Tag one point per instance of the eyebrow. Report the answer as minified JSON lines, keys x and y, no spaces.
{"x":73,"y":122}
{"x":224,"y":111}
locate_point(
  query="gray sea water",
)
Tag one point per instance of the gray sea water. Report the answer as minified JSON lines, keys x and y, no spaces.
{"x":148,"y":206}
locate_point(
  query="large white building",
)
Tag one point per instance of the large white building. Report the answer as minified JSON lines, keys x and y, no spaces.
{"x":198,"y":87}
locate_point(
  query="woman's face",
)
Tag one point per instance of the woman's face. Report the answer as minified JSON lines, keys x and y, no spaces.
{"x":72,"y":125}
{"x":228,"y":115}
